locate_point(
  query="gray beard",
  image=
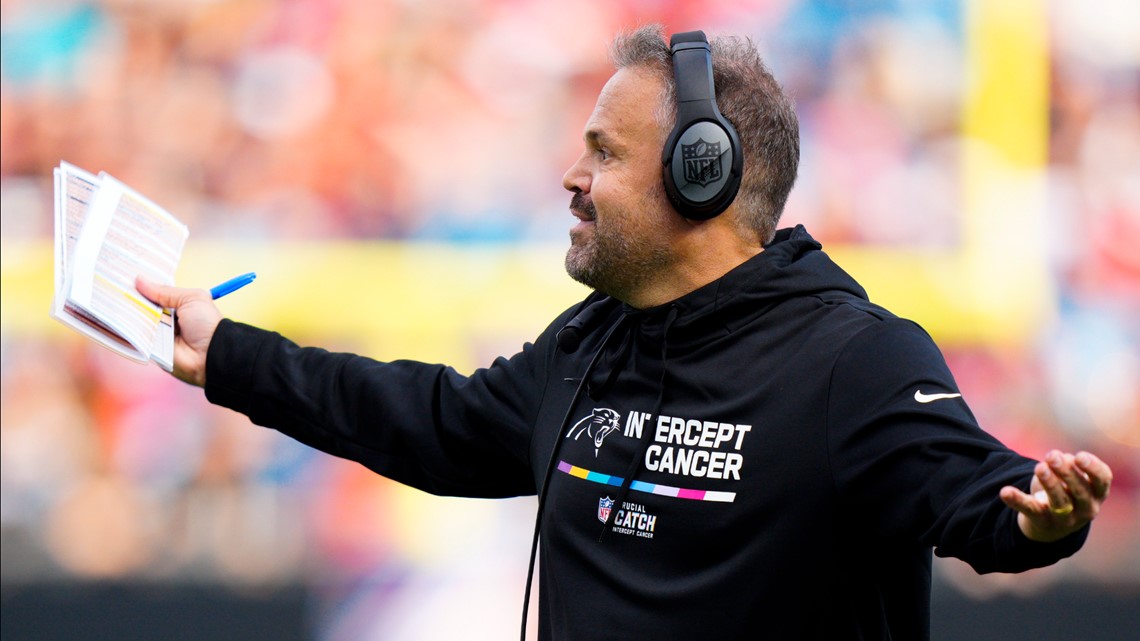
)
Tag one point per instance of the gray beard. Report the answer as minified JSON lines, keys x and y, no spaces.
{"x":613,"y":265}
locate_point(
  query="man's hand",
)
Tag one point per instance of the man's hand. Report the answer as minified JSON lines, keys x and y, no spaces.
{"x":196,"y":319}
{"x":1066,"y":493}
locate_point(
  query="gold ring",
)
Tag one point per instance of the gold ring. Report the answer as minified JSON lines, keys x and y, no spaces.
{"x":1061,"y":511}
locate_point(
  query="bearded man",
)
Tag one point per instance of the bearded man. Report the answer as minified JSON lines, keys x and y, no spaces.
{"x":780,"y":455}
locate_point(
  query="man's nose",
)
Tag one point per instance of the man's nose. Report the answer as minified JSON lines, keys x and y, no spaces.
{"x":576,"y":178}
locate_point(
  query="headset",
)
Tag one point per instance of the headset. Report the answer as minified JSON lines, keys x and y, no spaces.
{"x":697,"y":181}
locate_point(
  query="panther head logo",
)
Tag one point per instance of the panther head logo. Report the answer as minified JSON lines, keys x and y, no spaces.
{"x":598,"y":425}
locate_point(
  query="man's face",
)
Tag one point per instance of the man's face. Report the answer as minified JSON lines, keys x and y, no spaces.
{"x":623,"y":238}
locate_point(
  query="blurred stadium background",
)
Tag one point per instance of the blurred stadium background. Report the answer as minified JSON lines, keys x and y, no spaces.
{"x":391,"y":169}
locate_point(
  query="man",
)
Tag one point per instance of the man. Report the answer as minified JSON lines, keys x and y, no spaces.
{"x":728,"y":439}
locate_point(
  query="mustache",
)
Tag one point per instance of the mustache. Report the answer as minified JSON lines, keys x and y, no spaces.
{"x":581,"y":203}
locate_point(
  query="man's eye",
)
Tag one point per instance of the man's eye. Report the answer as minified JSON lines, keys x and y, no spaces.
{"x":603,"y":154}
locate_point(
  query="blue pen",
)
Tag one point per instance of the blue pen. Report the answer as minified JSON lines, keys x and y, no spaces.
{"x":232,"y":285}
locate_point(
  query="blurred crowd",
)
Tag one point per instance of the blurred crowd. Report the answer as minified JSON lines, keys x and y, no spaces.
{"x":453,"y":120}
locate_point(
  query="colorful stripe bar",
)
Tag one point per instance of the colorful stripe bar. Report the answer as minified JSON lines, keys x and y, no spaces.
{"x":583,"y":473}
{"x":648,"y":488}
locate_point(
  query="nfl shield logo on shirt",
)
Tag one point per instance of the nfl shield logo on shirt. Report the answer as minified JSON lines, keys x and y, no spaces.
{"x":604,"y":506}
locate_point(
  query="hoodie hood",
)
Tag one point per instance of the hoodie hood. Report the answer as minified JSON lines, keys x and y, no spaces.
{"x":792,"y":265}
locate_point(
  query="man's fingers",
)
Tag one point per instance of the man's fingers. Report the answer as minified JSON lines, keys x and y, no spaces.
{"x":1034,"y":506}
{"x":1098,"y":472}
{"x":1056,"y":494}
{"x":1018,"y":500}
{"x":1085,"y":480}
{"x":1078,"y":490}
{"x":1065,"y":494}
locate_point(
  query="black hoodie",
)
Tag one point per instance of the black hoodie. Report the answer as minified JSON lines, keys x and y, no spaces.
{"x":771,"y":456}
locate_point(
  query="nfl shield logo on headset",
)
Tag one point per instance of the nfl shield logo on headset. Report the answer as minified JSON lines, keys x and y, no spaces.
{"x":702,"y":162}
{"x":604,"y":506}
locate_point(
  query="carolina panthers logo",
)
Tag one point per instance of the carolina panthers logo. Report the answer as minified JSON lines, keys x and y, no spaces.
{"x":598,"y":425}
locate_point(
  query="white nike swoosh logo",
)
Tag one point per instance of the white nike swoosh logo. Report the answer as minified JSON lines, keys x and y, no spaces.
{"x":930,"y":398}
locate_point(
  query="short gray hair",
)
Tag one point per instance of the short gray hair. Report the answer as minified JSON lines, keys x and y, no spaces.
{"x":751,"y":99}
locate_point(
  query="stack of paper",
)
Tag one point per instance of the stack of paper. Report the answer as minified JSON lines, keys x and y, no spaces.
{"x":106,"y":235}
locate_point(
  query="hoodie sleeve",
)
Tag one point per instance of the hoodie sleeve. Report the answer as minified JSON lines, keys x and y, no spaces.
{"x":910,"y":461}
{"x":423,"y":425}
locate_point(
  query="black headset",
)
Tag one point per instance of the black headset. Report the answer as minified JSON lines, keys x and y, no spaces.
{"x":697,"y":180}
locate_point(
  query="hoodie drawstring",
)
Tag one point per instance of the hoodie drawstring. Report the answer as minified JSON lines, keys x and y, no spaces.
{"x":559,"y":437}
{"x":635,"y":464}
{"x":596,"y":385}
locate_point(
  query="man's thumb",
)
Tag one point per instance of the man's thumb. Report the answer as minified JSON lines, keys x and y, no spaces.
{"x":158,"y":294}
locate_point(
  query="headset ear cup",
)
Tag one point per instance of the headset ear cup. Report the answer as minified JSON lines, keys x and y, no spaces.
{"x":702,"y":161}
{"x":702,"y":166}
